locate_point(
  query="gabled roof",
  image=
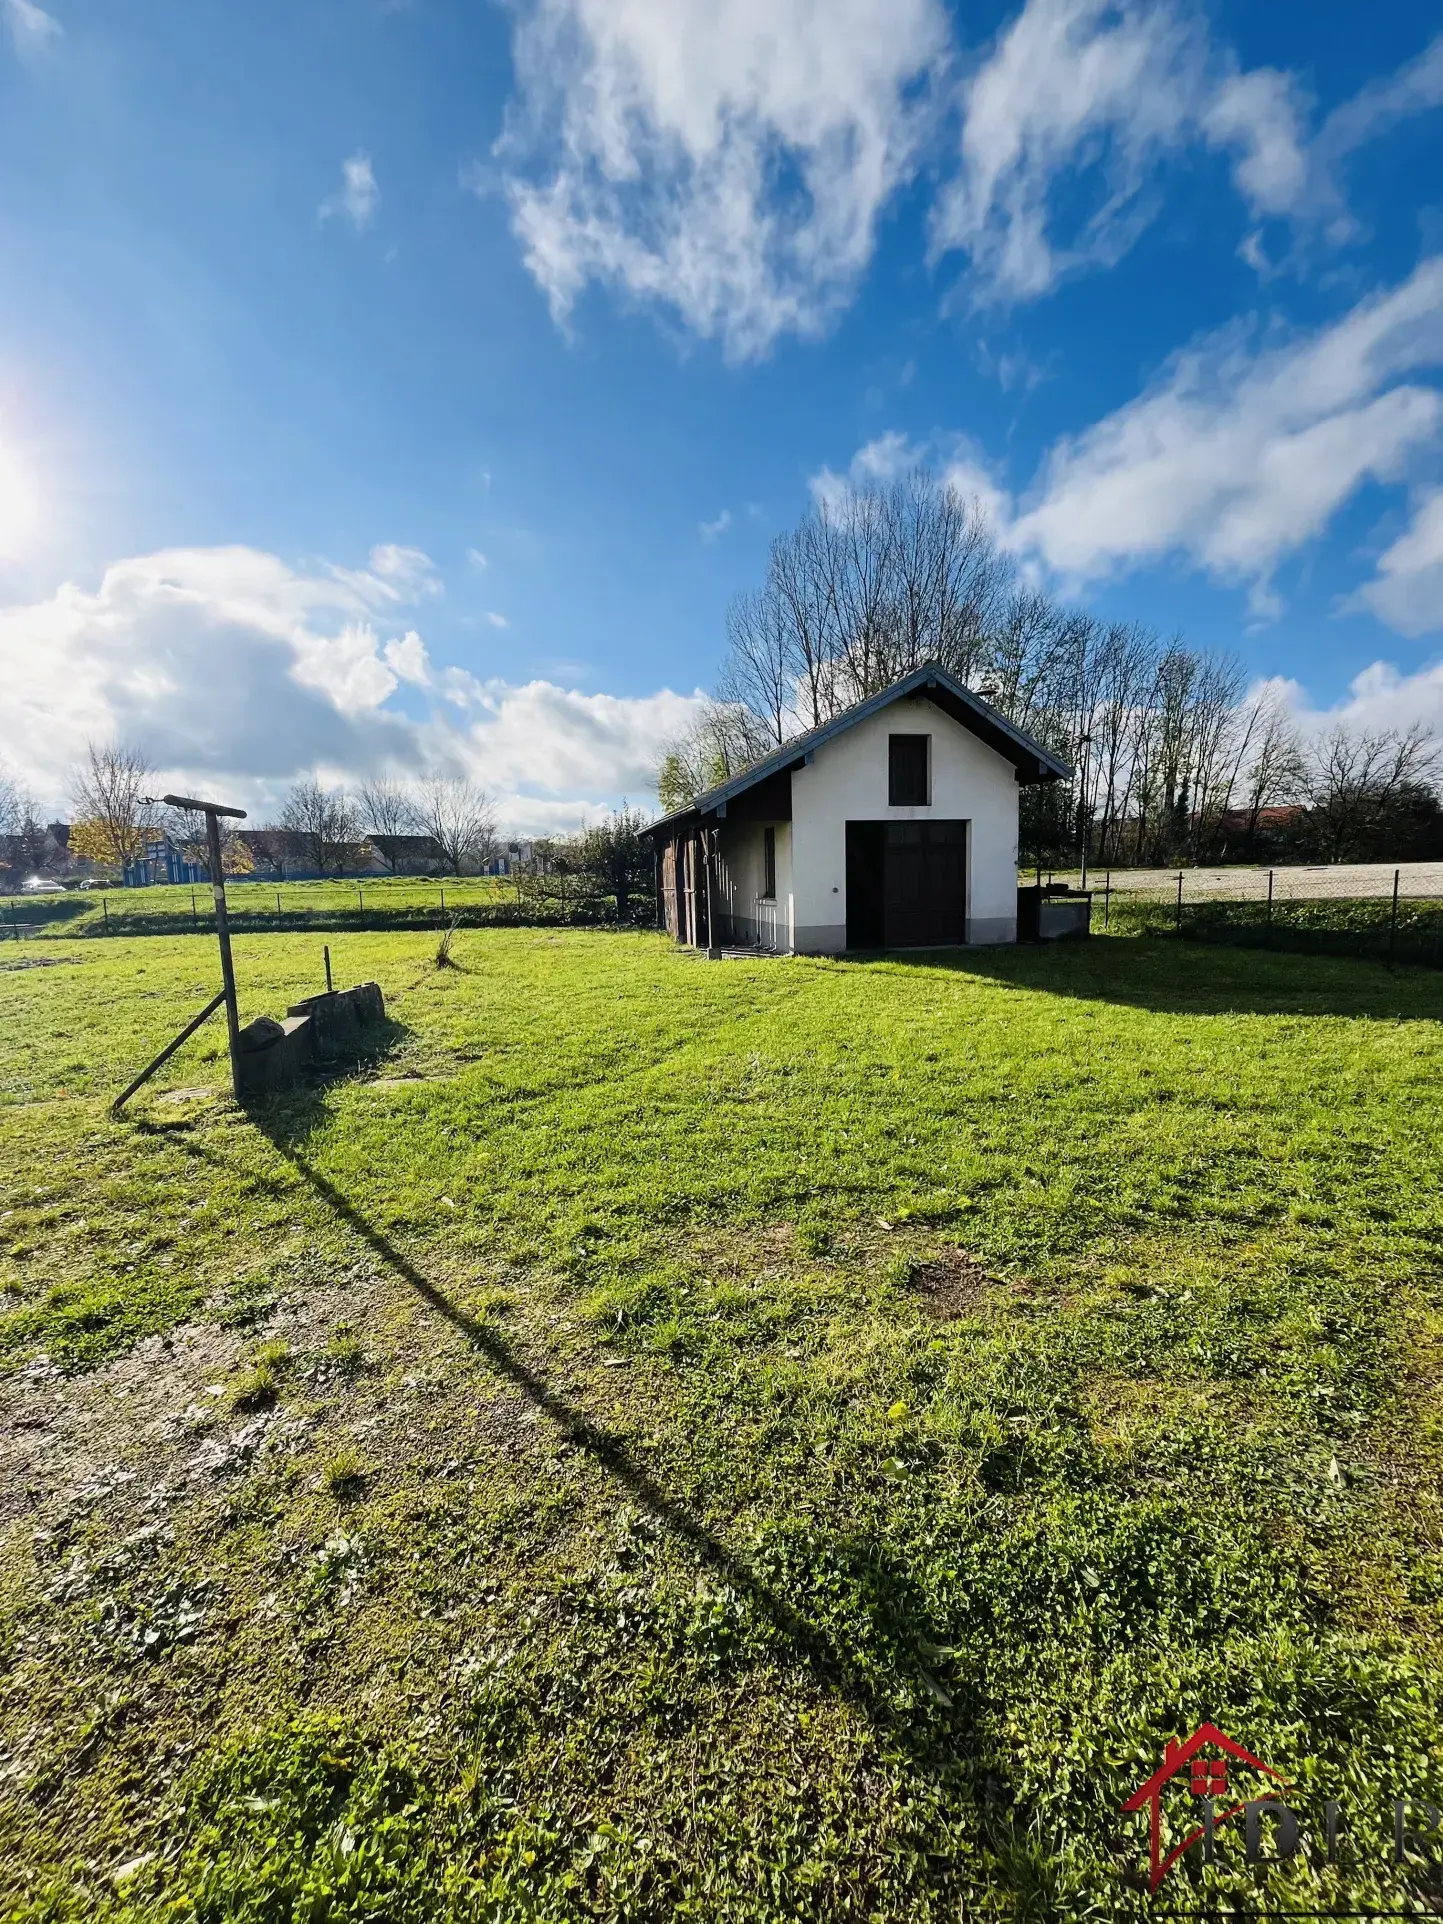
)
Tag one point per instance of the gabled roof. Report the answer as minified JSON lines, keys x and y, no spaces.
{"x":1033,"y":762}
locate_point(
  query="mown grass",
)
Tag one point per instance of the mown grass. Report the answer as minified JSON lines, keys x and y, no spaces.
{"x":339,"y":902}
{"x":1365,"y":926}
{"x":753,"y":1440}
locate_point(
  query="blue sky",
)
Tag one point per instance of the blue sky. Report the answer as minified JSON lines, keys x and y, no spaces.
{"x":412,"y":383}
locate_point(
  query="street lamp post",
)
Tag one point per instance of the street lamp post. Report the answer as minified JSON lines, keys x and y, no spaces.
{"x":1082,"y":811}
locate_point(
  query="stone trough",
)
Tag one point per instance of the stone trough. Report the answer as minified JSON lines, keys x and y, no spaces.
{"x":339,"y":1023}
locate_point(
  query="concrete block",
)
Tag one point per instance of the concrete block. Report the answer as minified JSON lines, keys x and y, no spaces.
{"x":273,"y":1054}
{"x":345,"y":1019}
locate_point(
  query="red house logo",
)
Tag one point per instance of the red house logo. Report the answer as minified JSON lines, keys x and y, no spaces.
{"x":1202,"y":1761}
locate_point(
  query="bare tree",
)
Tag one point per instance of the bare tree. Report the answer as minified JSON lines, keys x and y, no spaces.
{"x":460,"y":818}
{"x":762,"y":662}
{"x":109,"y":787}
{"x":1270,"y":767}
{"x":12,"y":804}
{"x":726,"y":738}
{"x":388,"y":809}
{"x":1355,"y":775}
{"x":322,"y":825}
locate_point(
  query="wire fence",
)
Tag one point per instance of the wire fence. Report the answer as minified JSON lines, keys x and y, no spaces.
{"x":1388,"y":911}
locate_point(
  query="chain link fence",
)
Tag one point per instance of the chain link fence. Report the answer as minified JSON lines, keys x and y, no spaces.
{"x":1390,"y":912}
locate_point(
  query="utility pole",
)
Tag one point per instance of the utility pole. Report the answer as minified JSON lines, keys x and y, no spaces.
{"x":1082,"y":810}
{"x":212,"y":812}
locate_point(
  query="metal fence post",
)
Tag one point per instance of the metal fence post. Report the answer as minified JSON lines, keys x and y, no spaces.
{"x":1107,"y":898}
{"x":1270,"y":898}
{"x":1393,"y":920}
{"x":105,"y":911}
{"x":194,"y":918}
{"x":1178,"y":923}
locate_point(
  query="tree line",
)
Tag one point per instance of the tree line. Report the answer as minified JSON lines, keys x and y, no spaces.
{"x":447,"y":822}
{"x":1173,"y":758}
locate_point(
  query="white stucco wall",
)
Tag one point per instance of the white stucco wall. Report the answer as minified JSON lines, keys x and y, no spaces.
{"x":847,"y":781}
{"x":751,"y":916}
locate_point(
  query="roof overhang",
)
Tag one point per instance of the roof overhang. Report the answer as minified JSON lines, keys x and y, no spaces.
{"x":1033,"y":763}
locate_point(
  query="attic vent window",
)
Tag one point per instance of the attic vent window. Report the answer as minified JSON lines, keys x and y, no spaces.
{"x":908,"y":771}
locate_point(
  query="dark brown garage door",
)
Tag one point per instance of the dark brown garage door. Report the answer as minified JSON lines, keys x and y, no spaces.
{"x":906,"y":884}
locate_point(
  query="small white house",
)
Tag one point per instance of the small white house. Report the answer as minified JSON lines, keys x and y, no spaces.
{"x":894,"y":826}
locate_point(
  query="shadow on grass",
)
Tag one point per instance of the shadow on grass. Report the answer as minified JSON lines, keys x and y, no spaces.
{"x":880,"y":1671}
{"x":1169,"y":976}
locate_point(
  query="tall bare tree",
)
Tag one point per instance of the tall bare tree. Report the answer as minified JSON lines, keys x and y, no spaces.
{"x":460,"y":818}
{"x":387,"y":808}
{"x":1355,"y":775}
{"x":111,"y":787}
{"x":322,"y":826}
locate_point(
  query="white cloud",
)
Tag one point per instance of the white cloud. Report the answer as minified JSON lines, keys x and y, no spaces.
{"x":1408,"y":588}
{"x":1079,"y":103}
{"x":729,"y":161}
{"x":496,"y":620}
{"x":228,"y":666}
{"x":1237,"y":454}
{"x":714,"y":530}
{"x":32,"y":30}
{"x":1378,"y":697}
{"x":19,"y":504}
{"x":477,"y":559}
{"x":407,"y":659}
{"x":891,"y":455}
{"x":1075,"y":95}
{"x":358,"y":196}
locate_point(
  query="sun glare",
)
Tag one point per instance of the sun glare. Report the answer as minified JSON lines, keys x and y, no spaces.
{"x":19,"y":505}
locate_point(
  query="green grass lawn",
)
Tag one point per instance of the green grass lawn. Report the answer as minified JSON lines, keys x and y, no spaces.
{"x":754,"y":1440}
{"x":341,"y":902}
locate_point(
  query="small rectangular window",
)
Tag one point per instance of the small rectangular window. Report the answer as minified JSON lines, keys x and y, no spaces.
{"x":769,"y":864}
{"x":907,"y":771}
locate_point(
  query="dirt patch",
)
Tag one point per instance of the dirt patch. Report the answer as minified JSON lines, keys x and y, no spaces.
{"x":188,"y":1095}
{"x":39,"y":962}
{"x":951,"y":1283}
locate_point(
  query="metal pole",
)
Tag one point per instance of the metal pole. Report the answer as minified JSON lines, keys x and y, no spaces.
{"x":105,"y":911}
{"x":227,"y":967}
{"x":327,"y":953}
{"x":167,"y":1052}
{"x":194,"y":918}
{"x":1270,"y":898}
{"x":1082,"y":810}
{"x":1393,"y":920}
{"x":1107,"y":899}
{"x":1179,"y":902}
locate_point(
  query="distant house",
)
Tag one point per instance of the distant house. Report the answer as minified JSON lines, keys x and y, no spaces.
{"x":510,"y":857}
{"x":46,"y":853}
{"x":162,"y":860}
{"x":406,"y":855}
{"x":892,"y":826}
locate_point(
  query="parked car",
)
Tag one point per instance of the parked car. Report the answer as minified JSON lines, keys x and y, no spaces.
{"x":38,"y":885}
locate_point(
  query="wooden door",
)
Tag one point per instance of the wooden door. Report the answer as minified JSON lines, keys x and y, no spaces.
{"x":925,"y":884}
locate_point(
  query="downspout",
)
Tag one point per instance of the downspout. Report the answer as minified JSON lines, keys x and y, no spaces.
{"x":708,"y":844}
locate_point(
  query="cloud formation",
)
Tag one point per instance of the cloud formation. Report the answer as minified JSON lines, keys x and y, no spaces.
{"x":730,"y":160}
{"x":32,"y":30}
{"x":227,"y":665}
{"x":1240,"y":453}
{"x":1407,"y":590}
{"x":358,"y":196}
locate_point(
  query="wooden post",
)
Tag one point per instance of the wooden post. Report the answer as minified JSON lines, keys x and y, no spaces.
{"x":708,"y":850}
{"x":278,"y":902}
{"x":1107,"y":898}
{"x":327,"y":953}
{"x":1393,"y":920}
{"x":1179,"y":902}
{"x":227,"y":966}
{"x":105,"y":911}
{"x":194,"y":918}
{"x":1270,"y":898}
